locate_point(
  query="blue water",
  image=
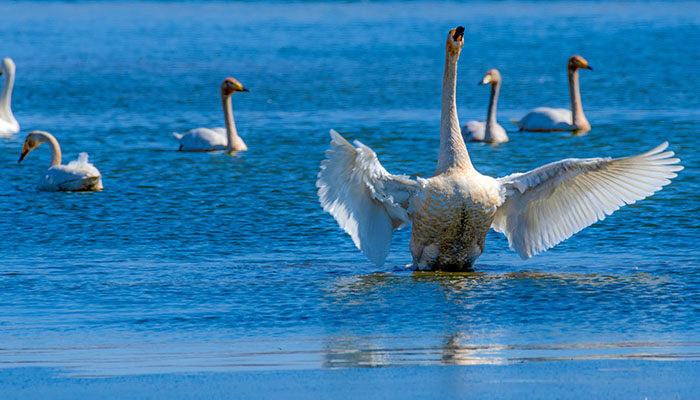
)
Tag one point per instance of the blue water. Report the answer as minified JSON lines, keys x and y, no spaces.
{"x":211,"y":262}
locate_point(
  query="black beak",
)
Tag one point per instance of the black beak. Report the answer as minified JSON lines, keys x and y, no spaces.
{"x":246,"y":90}
{"x":481,"y":83}
{"x":459,"y":33}
{"x":21,"y":157}
{"x":589,"y":67}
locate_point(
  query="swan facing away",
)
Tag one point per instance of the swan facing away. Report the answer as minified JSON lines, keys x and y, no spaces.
{"x":545,"y":119}
{"x":490,"y":131}
{"x":8,"y":123}
{"x":205,"y":139}
{"x":76,"y":176}
{"x":452,"y":211}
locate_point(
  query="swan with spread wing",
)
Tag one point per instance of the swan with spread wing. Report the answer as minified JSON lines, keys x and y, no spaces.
{"x":452,"y":211}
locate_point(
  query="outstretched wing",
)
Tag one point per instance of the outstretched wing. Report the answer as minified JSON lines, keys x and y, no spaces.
{"x":549,"y":204}
{"x":365,"y":200}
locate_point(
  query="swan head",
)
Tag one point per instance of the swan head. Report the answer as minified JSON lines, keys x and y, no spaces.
{"x":7,"y":67}
{"x":230,"y":86}
{"x":492,"y":76}
{"x":455,"y":41}
{"x":577,"y":62}
{"x":33,"y":140}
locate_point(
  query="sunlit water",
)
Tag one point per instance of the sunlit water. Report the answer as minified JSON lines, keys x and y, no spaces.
{"x":195,"y":262}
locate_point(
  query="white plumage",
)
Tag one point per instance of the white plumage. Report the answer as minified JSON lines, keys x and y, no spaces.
{"x":452,"y":211}
{"x":8,"y":123}
{"x":546,"y":119}
{"x":475,"y":131}
{"x":76,"y":176}
{"x":549,"y":204}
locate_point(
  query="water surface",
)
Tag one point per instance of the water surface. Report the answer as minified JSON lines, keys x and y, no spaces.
{"x":210,"y":262}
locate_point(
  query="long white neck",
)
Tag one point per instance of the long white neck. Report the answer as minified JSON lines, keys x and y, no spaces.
{"x":6,"y":96}
{"x":491,"y":116}
{"x":453,"y":152}
{"x":231,"y":133}
{"x":579,"y":119}
{"x":45,"y":137}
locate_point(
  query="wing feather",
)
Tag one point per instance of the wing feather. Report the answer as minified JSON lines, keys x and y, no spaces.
{"x":367,"y":201}
{"x":549,"y":204}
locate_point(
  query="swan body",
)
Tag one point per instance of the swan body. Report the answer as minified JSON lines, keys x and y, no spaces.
{"x":8,"y":123}
{"x":206,"y":139}
{"x":546,"y":119}
{"x":490,"y":130}
{"x":475,"y":131}
{"x":452,"y":211}
{"x":76,"y":176}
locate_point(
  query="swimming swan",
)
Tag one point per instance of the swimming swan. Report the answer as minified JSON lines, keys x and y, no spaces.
{"x":452,"y":211}
{"x":8,"y":123}
{"x":545,"y":119}
{"x":205,"y":139}
{"x":77,"y":176}
{"x":490,"y":131}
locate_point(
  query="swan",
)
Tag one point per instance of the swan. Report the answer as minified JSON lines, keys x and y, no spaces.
{"x":452,"y":211}
{"x":545,"y":119}
{"x":8,"y":123}
{"x":77,"y":176}
{"x":490,"y":131}
{"x":205,"y":139}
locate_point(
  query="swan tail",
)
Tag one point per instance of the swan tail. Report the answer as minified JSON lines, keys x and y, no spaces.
{"x":178,"y":136}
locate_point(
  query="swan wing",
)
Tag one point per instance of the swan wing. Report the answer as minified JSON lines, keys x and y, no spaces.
{"x":544,"y":206}
{"x":367,"y":201}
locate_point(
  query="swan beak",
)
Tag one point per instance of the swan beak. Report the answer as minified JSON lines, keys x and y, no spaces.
{"x":0,"y":72}
{"x":25,"y":151}
{"x":589,"y":67}
{"x":459,"y":33}
{"x":245,"y":90}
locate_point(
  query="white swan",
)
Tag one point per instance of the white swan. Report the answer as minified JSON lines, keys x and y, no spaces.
{"x":77,"y":176}
{"x":8,"y":123}
{"x":545,"y":119}
{"x":205,"y":139}
{"x":452,"y":211}
{"x":490,"y":131}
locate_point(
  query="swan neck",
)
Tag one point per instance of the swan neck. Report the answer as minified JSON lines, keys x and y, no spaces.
{"x":453,"y":152}
{"x":231,"y":132}
{"x":493,"y":105}
{"x":6,"y":96}
{"x":49,"y":139}
{"x":579,"y":119}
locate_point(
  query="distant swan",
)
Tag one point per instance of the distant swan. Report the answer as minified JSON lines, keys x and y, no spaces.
{"x":8,"y":123}
{"x":452,"y":211}
{"x":545,"y":119}
{"x":77,"y":176}
{"x":490,"y":131}
{"x":205,"y":139}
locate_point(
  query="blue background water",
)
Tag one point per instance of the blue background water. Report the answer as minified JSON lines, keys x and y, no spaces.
{"x":193,"y":261}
